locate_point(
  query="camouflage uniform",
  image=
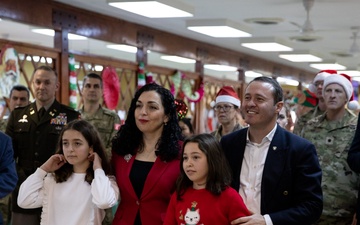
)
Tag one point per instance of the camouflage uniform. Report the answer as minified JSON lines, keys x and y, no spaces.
{"x":332,"y":140}
{"x":106,"y":122}
{"x":302,"y":120}
{"x":217,"y":132}
{"x":3,"y":123}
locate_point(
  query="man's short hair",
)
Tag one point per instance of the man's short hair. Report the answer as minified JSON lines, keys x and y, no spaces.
{"x":95,"y":76}
{"x":46,"y":68}
{"x":20,"y":87}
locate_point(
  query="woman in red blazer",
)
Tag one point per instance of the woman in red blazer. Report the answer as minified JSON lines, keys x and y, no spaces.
{"x":146,"y":157}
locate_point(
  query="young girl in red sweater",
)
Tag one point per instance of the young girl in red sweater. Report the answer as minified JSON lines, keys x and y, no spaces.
{"x":203,"y":195}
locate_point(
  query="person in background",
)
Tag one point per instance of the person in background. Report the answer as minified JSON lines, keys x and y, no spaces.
{"x":8,"y":176}
{"x":35,"y":130}
{"x":276,"y":172}
{"x":284,"y":119}
{"x":19,"y":97}
{"x":74,"y":185}
{"x":146,"y":157}
{"x":332,"y":134}
{"x":316,"y":87}
{"x":186,"y":127}
{"x":203,"y":193}
{"x":226,"y":107}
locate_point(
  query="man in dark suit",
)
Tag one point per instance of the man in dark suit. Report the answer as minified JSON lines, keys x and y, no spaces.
{"x":34,"y":130}
{"x":277,"y":173}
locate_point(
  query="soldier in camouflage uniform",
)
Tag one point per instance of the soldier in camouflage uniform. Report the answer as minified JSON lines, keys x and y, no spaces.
{"x":332,"y":134}
{"x":316,"y":87}
{"x":226,"y":107}
{"x":106,"y":121}
{"x":19,"y":97}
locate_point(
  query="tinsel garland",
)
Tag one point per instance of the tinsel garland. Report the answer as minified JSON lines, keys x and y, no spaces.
{"x":73,"y":81}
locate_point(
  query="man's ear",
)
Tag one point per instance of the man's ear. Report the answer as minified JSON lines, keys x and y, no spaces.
{"x":278,"y":106}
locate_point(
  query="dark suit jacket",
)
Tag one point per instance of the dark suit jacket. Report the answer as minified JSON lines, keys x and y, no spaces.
{"x":156,"y":194}
{"x":35,"y":140}
{"x":291,"y":183}
{"x":354,"y":161}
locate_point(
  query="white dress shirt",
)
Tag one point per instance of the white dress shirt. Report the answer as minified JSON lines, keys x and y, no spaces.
{"x":252,"y":171}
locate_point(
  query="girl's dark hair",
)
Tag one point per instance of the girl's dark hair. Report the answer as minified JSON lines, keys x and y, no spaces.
{"x":219,"y":175}
{"x":129,"y":137}
{"x":187,"y":122}
{"x":92,"y":137}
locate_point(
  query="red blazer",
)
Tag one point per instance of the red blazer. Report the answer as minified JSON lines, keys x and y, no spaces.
{"x":159,"y":185}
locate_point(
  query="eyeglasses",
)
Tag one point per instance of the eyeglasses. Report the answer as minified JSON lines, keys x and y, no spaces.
{"x":318,"y":83}
{"x":225,"y":108}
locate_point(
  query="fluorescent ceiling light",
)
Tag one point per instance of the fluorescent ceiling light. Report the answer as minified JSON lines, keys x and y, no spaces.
{"x":351,"y":73}
{"x":154,"y":9}
{"x":220,"y":67}
{"x":252,"y":74}
{"x":327,"y":66}
{"x":124,"y":48}
{"x":177,"y":59}
{"x":301,"y":57}
{"x":50,"y":32}
{"x":287,"y":81}
{"x":265,"y":44}
{"x":220,"y":28}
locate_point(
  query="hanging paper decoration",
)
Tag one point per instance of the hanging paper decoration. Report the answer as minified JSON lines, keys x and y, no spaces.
{"x":111,"y":87}
{"x":181,"y":108}
{"x":181,"y":86}
{"x":141,"y":75}
{"x":73,"y":82}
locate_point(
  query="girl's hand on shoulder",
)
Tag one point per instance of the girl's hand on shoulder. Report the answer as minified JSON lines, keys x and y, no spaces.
{"x":95,"y":158}
{"x":53,"y":163}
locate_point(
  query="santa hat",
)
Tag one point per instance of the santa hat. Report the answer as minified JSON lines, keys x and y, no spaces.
{"x":226,"y":94}
{"x":320,"y":76}
{"x":344,"y":81}
{"x":306,"y":98}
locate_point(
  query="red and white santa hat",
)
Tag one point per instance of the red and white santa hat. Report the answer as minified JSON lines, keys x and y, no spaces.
{"x":320,"y":76}
{"x":226,"y":94}
{"x":343,"y":80}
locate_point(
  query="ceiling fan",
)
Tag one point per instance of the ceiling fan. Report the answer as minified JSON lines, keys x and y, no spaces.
{"x":354,"y":49}
{"x":307,"y":29}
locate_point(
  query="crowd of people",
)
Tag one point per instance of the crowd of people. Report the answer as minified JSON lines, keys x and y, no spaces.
{"x":284,"y":162}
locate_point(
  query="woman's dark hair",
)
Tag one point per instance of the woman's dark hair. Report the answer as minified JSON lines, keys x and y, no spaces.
{"x":219,"y":175}
{"x":129,"y":137}
{"x":93,"y":139}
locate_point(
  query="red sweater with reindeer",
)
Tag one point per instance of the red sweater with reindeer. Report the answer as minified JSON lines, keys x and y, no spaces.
{"x":200,"y":207}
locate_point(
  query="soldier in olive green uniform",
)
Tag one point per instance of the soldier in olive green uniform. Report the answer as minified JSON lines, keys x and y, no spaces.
{"x":316,"y":87}
{"x":19,"y":96}
{"x":106,"y":121}
{"x":35,"y":136}
{"x":226,"y":106}
{"x":332,"y":134}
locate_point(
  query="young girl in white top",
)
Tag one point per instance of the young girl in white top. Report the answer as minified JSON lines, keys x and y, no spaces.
{"x":73,"y":186}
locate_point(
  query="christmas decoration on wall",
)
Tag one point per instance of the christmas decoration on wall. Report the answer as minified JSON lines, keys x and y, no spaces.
{"x":73,"y":82}
{"x":181,"y":86}
{"x":181,"y":108}
{"x":111,"y":87}
{"x":141,"y":75}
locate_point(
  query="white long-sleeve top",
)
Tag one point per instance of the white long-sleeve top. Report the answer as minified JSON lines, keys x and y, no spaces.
{"x":72,"y":202}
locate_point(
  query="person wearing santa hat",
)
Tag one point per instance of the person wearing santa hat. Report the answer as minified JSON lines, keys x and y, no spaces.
{"x":226,"y":107}
{"x":332,"y":134}
{"x":315,"y":87}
